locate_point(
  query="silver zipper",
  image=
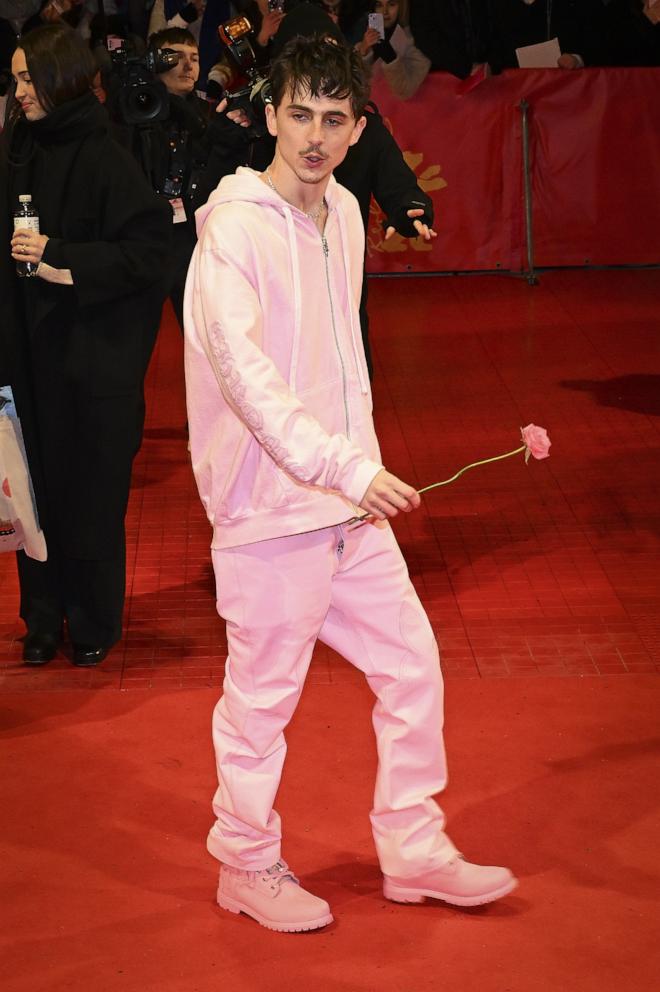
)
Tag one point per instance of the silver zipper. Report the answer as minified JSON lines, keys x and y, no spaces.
{"x":326,"y":252}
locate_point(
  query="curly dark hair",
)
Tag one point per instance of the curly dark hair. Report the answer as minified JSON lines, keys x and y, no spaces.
{"x":323,"y":67}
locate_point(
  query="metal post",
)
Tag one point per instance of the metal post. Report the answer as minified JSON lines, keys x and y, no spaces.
{"x":527,"y":179}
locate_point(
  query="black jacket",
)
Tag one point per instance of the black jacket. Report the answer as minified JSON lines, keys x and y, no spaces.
{"x":109,"y":229}
{"x":94,"y":338}
{"x":577,"y":24}
{"x":202,"y":145}
{"x":375,"y":166}
{"x":453,"y":34}
{"x":631,"y":38}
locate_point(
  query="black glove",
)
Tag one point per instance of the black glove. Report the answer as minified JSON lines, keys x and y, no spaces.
{"x":405,"y":225}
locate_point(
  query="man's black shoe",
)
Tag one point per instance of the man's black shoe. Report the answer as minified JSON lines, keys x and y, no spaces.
{"x":38,"y":649}
{"x":85,"y":655}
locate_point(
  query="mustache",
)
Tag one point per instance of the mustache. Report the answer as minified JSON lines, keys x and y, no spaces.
{"x":314,"y":150}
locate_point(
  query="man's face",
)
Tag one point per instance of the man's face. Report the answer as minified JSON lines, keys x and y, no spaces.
{"x":181,"y":80}
{"x":390,"y":11}
{"x":313,"y":133}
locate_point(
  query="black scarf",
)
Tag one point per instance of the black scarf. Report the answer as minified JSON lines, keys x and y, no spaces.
{"x":46,"y":155}
{"x":53,"y":160}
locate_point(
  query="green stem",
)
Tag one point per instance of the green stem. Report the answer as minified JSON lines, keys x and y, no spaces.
{"x":485,"y":461}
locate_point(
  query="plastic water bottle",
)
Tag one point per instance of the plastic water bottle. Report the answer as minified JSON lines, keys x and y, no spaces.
{"x":26,"y":218}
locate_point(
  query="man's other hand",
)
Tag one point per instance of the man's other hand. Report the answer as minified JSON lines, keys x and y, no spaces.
{"x":423,"y":230}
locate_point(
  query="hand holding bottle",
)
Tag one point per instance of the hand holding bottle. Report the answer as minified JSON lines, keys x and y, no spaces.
{"x":28,"y":246}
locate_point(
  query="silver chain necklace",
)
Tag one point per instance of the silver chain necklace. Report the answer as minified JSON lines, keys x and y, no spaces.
{"x":312,"y":214}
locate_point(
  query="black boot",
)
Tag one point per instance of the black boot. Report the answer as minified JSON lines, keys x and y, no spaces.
{"x":38,"y":649}
{"x":86,"y":655}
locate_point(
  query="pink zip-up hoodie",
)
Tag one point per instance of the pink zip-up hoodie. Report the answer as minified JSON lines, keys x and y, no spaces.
{"x":279,"y":406}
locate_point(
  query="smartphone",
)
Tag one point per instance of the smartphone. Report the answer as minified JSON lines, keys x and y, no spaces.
{"x":276,"y":5}
{"x":376,"y":22}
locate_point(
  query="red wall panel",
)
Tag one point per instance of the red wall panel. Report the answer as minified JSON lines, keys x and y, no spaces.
{"x":595,"y":152}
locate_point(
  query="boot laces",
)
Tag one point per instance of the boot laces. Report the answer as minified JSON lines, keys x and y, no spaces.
{"x":278,"y":873}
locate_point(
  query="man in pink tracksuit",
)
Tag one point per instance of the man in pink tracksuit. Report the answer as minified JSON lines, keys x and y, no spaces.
{"x":285,"y":457}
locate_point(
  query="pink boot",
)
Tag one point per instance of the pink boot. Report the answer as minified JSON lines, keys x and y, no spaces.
{"x":457,"y":882}
{"x":272,"y":897}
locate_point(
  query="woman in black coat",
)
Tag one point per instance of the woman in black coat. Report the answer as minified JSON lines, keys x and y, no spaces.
{"x":83,"y":331}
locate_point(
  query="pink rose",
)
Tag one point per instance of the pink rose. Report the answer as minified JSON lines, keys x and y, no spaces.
{"x":537,"y":440}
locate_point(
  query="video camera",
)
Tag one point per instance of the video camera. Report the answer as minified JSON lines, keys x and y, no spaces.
{"x":253,"y":98}
{"x":141,"y":98}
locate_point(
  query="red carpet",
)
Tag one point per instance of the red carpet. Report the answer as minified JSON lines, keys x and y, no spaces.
{"x":542,"y":584}
{"x":108,"y":886}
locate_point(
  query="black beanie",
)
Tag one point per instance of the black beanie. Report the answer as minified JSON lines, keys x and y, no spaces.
{"x":304,"y":21}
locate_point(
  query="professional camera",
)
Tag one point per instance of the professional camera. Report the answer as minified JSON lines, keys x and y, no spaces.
{"x":141,"y":98}
{"x":253,"y":98}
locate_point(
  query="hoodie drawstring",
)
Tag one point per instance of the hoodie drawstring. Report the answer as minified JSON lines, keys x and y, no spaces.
{"x":295,"y":269}
{"x":245,"y":185}
{"x":351,"y":308}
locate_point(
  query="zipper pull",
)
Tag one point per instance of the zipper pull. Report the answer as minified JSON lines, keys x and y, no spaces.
{"x":324,"y":242}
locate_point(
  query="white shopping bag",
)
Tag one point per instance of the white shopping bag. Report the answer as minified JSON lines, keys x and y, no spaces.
{"x":19,"y":526}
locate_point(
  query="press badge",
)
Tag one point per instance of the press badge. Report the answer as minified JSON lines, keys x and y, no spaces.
{"x":179,"y":214}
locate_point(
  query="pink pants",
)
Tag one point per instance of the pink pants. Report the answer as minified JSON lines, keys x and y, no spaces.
{"x":350,"y":588}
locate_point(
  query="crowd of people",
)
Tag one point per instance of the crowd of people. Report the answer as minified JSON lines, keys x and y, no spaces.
{"x":458,"y":35}
{"x":401,"y":40}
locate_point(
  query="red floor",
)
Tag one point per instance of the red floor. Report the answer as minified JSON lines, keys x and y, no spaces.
{"x":542,"y":582}
{"x":107,"y":886}
{"x":547,"y":569}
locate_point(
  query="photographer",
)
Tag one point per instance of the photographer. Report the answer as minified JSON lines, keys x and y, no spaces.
{"x":203,"y":19}
{"x":183,"y":147}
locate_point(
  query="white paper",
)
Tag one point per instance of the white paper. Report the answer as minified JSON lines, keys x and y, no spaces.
{"x":543,"y":56}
